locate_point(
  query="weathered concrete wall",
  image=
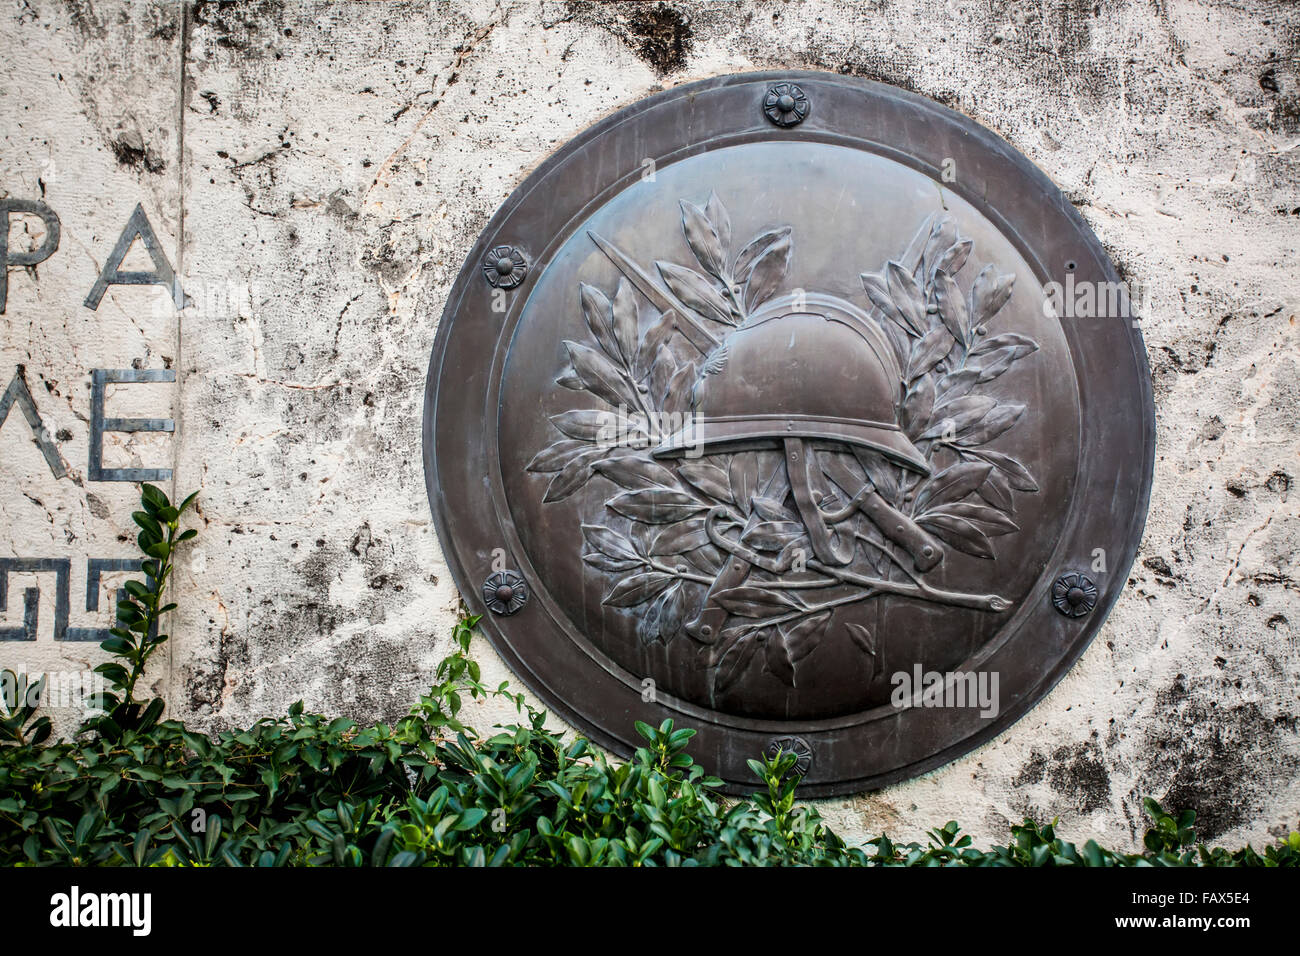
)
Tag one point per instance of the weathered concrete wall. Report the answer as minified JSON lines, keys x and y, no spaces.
{"x":316,"y":174}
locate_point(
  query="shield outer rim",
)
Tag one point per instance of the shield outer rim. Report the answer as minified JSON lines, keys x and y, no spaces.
{"x":1099,"y":349}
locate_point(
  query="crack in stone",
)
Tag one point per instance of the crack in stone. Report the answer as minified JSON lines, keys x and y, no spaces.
{"x":462,"y":54}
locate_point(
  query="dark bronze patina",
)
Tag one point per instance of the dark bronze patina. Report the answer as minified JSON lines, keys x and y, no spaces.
{"x":776,"y":409}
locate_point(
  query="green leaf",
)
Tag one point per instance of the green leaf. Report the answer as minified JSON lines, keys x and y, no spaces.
{"x":578,"y":851}
{"x":212,"y":836}
{"x":140,"y":846}
{"x":151,"y":714}
{"x":116,"y":645}
{"x":152,"y":496}
{"x":52,"y":831}
{"x":319,"y":830}
{"x":114,"y":672}
{"x":383,"y":844}
{"x":148,"y":524}
{"x":471,"y":818}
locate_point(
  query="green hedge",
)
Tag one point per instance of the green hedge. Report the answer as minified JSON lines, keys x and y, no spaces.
{"x":308,"y":789}
{"x":311,"y":790}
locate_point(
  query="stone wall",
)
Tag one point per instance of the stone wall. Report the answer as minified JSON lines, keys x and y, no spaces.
{"x":316,"y":173}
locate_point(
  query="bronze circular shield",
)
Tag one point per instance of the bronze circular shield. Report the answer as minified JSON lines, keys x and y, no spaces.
{"x":768,"y":405}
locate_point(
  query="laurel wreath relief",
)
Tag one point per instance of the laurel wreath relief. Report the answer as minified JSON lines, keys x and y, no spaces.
{"x":720,"y":531}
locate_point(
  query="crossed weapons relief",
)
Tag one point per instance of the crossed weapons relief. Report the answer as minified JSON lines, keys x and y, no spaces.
{"x":783,"y":517}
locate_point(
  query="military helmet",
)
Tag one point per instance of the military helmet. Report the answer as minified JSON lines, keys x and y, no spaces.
{"x":806,"y":366}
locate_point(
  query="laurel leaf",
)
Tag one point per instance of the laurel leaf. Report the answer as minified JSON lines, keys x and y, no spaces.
{"x":1022,"y":343}
{"x":678,"y":538}
{"x":638,"y":589}
{"x":988,"y":295}
{"x":768,"y":273}
{"x":992,"y":425}
{"x":802,"y":638}
{"x":663,"y":619}
{"x":572,"y":476}
{"x":952,"y":306}
{"x":952,"y":419}
{"x":702,"y":236}
{"x":656,"y":335}
{"x":1017,"y":474}
{"x":917,"y":405}
{"x":747,"y":601}
{"x":961,"y":534}
{"x":754,"y":250}
{"x":603,"y":562}
{"x":928,"y":351}
{"x":584,"y":424}
{"x":907,"y":297}
{"x":631,"y":471}
{"x":695,"y":292}
{"x":777,"y":656}
{"x":625,"y":318}
{"x":735,"y":660}
{"x":596,"y":310}
{"x":610,"y":542}
{"x":954,"y":258}
{"x":996,"y":490}
{"x":942,"y":236}
{"x":556,"y":456}
{"x":601,"y":376}
{"x":900,"y":331}
{"x":862,"y":638}
{"x":989,"y":520}
{"x":708,"y":478}
{"x":951,"y":484}
{"x":656,"y":505}
{"x":956,"y":384}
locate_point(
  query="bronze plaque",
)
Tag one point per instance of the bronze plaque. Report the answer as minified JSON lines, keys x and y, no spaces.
{"x":756,"y":406}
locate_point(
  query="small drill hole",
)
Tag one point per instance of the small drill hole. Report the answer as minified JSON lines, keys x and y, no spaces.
{"x":1071,"y":266}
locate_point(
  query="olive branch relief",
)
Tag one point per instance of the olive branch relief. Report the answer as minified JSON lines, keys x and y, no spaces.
{"x":741,"y":550}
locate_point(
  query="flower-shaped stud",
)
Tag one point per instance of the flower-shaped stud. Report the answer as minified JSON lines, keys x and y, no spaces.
{"x":505,"y":592}
{"x":504,"y":267}
{"x":792,"y":745}
{"x":1074,"y":594}
{"x":786,"y":105}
